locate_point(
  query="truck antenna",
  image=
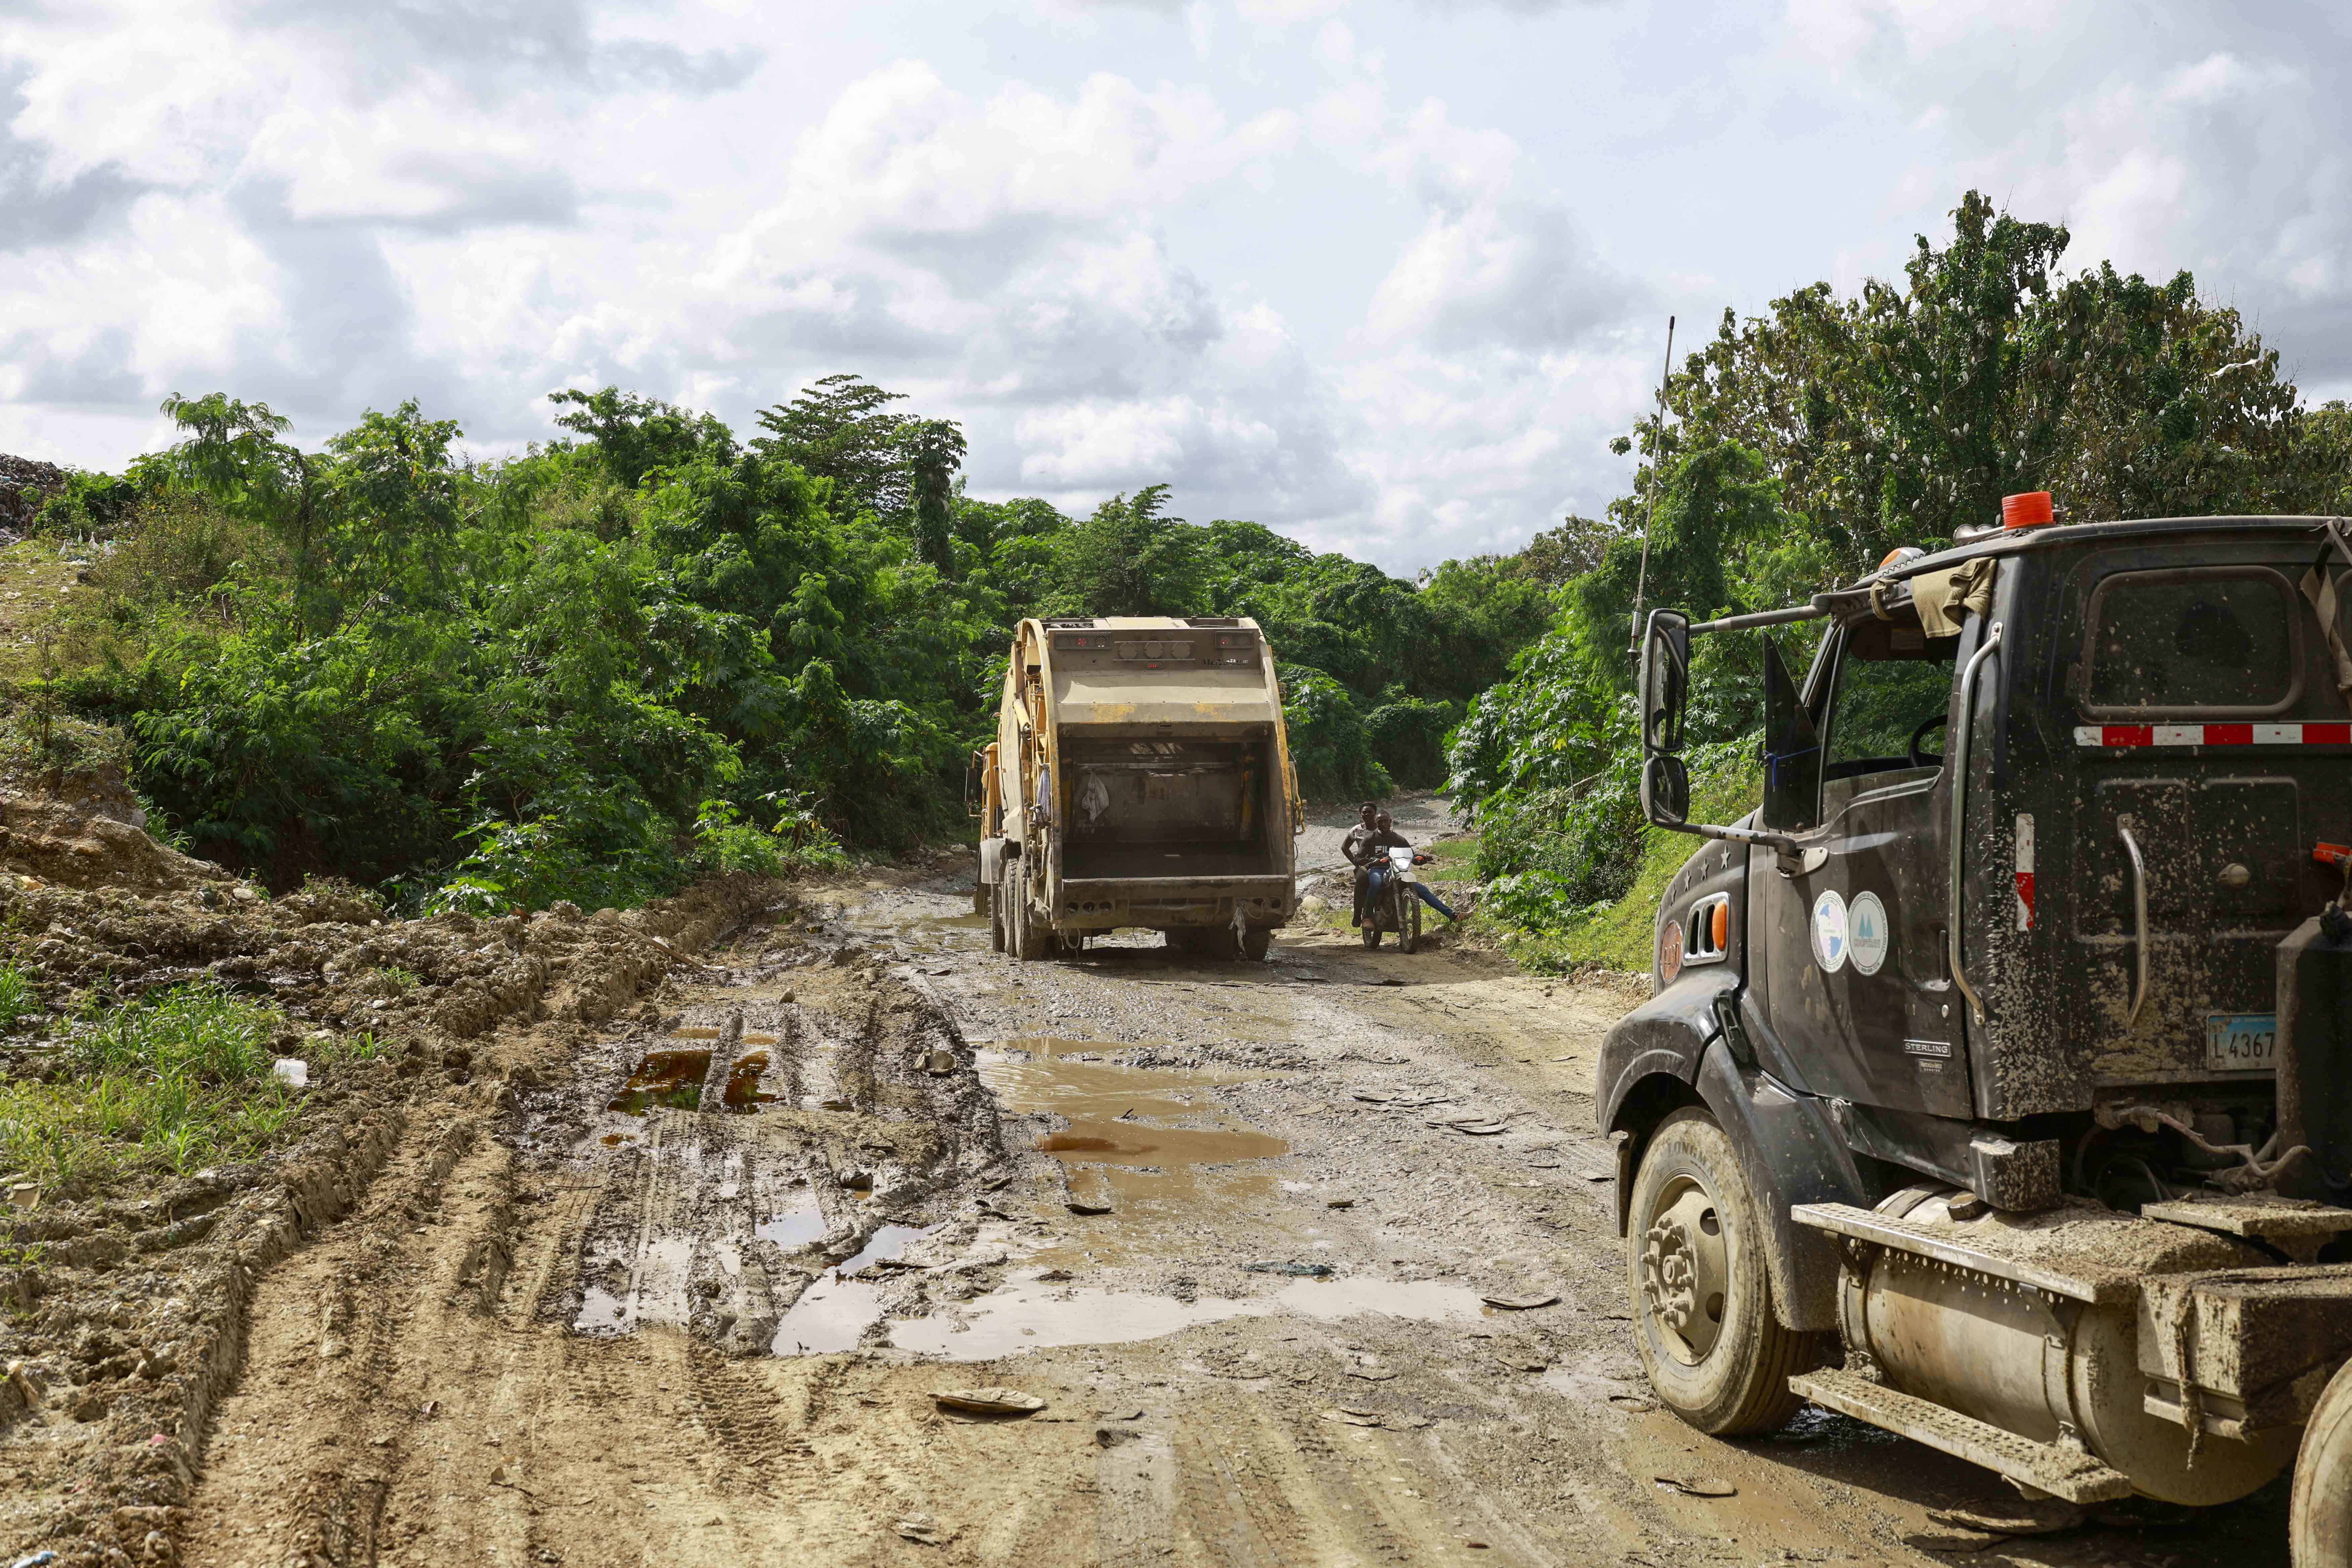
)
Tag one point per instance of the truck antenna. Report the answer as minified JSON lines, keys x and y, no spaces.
{"x":1641,"y":583}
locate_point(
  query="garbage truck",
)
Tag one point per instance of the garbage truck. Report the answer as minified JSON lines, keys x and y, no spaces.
{"x":1140,"y":777}
{"x":1996,"y":1084}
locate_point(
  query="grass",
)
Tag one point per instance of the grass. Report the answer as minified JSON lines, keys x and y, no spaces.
{"x":173,"y":1084}
{"x":1618,"y":935}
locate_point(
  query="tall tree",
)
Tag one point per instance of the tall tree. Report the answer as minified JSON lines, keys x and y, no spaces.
{"x":1131,"y":559}
{"x":841,"y":428}
{"x":934,"y":451}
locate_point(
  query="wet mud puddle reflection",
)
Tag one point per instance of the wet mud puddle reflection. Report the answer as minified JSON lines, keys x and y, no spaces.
{"x":1170,"y":1164}
{"x":1037,"y":1314}
{"x":834,"y":1313}
{"x":1149,"y":1154}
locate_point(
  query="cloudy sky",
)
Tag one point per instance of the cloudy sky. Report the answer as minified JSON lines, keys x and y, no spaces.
{"x":1385,"y":275}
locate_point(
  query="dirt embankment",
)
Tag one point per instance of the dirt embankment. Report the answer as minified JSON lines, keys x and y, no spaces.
{"x":127,"y":1298}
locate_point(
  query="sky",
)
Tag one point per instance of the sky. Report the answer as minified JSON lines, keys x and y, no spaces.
{"x":1385,"y":277}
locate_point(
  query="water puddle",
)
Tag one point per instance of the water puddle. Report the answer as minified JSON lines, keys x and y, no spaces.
{"x":1153,"y":1146}
{"x":664,"y":1077}
{"x":796,"y":1228}
{"x":888,"y":1242}
{"x":1031,"y":1314}
{"x":743,"y":1092}
{"x":831,"y":1315}
{"x":834,"y":1313}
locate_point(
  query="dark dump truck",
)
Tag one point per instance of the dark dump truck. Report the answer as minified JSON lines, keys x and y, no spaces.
{"x":1996,"y":1085}
{"x":1140,"y":776}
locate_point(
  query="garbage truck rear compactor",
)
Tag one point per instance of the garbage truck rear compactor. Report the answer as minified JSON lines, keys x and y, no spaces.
{"x":1140,"y":776}
{"x":1996,"y":1085}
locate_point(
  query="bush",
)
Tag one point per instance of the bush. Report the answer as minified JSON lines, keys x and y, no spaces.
{"x":1327,"y":744}
{"x":176,"y":1083}
{"x":1408,"y":735}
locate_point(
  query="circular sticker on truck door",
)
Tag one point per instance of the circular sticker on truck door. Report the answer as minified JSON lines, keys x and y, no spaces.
{"x":1866,"y":932}
{"x":1829,"y":933}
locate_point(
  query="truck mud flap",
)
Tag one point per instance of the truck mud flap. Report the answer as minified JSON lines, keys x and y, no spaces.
{"x":1790,"y":1154}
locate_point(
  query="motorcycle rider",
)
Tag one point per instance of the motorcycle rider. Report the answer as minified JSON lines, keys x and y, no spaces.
{"x":1360,"y":848}
{"x":1386,"y":837}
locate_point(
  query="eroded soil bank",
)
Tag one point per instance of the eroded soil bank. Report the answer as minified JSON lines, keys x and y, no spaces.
{"x":1311,"y":1261}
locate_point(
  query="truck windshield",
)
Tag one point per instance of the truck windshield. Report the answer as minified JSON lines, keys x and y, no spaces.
{"x":2207,"y":638}
{"x":1893,"y":683}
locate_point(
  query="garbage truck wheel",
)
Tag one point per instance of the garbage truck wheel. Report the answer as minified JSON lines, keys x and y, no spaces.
{"x":1256,"y":945}
{"x":996,"y":918}
{"x":1709,"y":1339}
{"x":2319,"y":1519}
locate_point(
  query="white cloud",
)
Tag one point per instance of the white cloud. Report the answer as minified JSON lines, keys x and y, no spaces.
{"x":1356,"y":271}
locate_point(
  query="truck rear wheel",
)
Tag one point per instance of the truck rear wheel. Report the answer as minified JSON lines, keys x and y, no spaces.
{"x":1702,"y":1295}
{"x":2319,"y":1519}
{"x":1028,"y":937}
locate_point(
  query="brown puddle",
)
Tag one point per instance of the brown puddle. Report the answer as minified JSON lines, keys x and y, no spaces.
{"x":668,"y":1077}
{"x":1154,"y":1145}
{"x":743,"y":1092}
{"x":615,"y":1140}
{"x":759,"y":1039}
{"x":1139,"y":1145}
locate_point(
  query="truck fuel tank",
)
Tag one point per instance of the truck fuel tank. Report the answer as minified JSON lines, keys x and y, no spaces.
{"x":2029,"y":1322}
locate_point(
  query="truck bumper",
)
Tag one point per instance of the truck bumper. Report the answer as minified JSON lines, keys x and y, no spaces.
{"x":1162,"y":902}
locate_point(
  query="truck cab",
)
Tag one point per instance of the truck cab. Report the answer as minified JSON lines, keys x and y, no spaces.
{"x":2015,"y":1021}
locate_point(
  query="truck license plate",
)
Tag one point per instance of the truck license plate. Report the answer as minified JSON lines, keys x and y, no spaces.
{"x":2241,"y":1042}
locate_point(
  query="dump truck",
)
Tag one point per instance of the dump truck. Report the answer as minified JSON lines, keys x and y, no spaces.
{"x":1140,"y":777}
{"x":1996,"y":1084}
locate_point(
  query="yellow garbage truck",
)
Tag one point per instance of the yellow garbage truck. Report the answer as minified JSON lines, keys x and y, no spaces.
{"x":1140,"y":777}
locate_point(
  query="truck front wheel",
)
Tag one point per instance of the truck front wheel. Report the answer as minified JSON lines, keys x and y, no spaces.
{"x":1714,"y":1351}
{"x":2319,"y":1519}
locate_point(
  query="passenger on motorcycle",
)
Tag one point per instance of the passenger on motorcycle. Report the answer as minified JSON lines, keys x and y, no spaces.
{"x":1387,"y":837}
{"x":1363,"y":845}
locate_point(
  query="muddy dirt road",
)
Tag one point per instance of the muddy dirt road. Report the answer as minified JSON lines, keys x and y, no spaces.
{"x":1311,"y":1261}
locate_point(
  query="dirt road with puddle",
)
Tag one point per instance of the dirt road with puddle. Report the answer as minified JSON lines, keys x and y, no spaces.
{"x":1311,"y":1261}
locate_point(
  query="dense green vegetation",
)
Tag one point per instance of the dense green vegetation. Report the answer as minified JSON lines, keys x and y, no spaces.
{"x":651,"y":649}
{"x":1799,"y":449}
{"x":175,"y":1082}
{"x":657,"y":647}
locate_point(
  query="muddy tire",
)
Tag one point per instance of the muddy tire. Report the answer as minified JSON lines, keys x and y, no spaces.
{"x":1371,"y":931}
{"x":996,"y":918}
{"x":2319,"y":1519}
{"x":1257,"y":943}
{"x":1702,"y":1295}
{"x":1409,"y":938}
{"x":1028,"y":937}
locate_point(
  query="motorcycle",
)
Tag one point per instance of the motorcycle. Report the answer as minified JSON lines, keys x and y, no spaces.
{"x":1395,"y":908}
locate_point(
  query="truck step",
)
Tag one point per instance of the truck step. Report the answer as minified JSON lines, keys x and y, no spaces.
{"x":1927,"y":1241}
{"x":2067,"y":1473}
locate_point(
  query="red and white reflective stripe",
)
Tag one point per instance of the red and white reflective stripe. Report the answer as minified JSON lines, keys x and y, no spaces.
{"x":2025,"y":870}
{"x":2114,"y":736}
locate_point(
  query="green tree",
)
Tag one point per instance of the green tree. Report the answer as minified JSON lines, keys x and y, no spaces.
{"x":1131,"y":559}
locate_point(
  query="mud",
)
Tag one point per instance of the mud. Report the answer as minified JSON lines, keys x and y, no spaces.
{"x":1225,"y":1220}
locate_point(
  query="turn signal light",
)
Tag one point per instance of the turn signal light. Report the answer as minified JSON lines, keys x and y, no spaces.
{"x":2030,"y":510}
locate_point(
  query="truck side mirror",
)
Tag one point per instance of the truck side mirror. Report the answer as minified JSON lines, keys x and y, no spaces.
{"x":1665,"y":790}
{"x":1666,"y":680}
